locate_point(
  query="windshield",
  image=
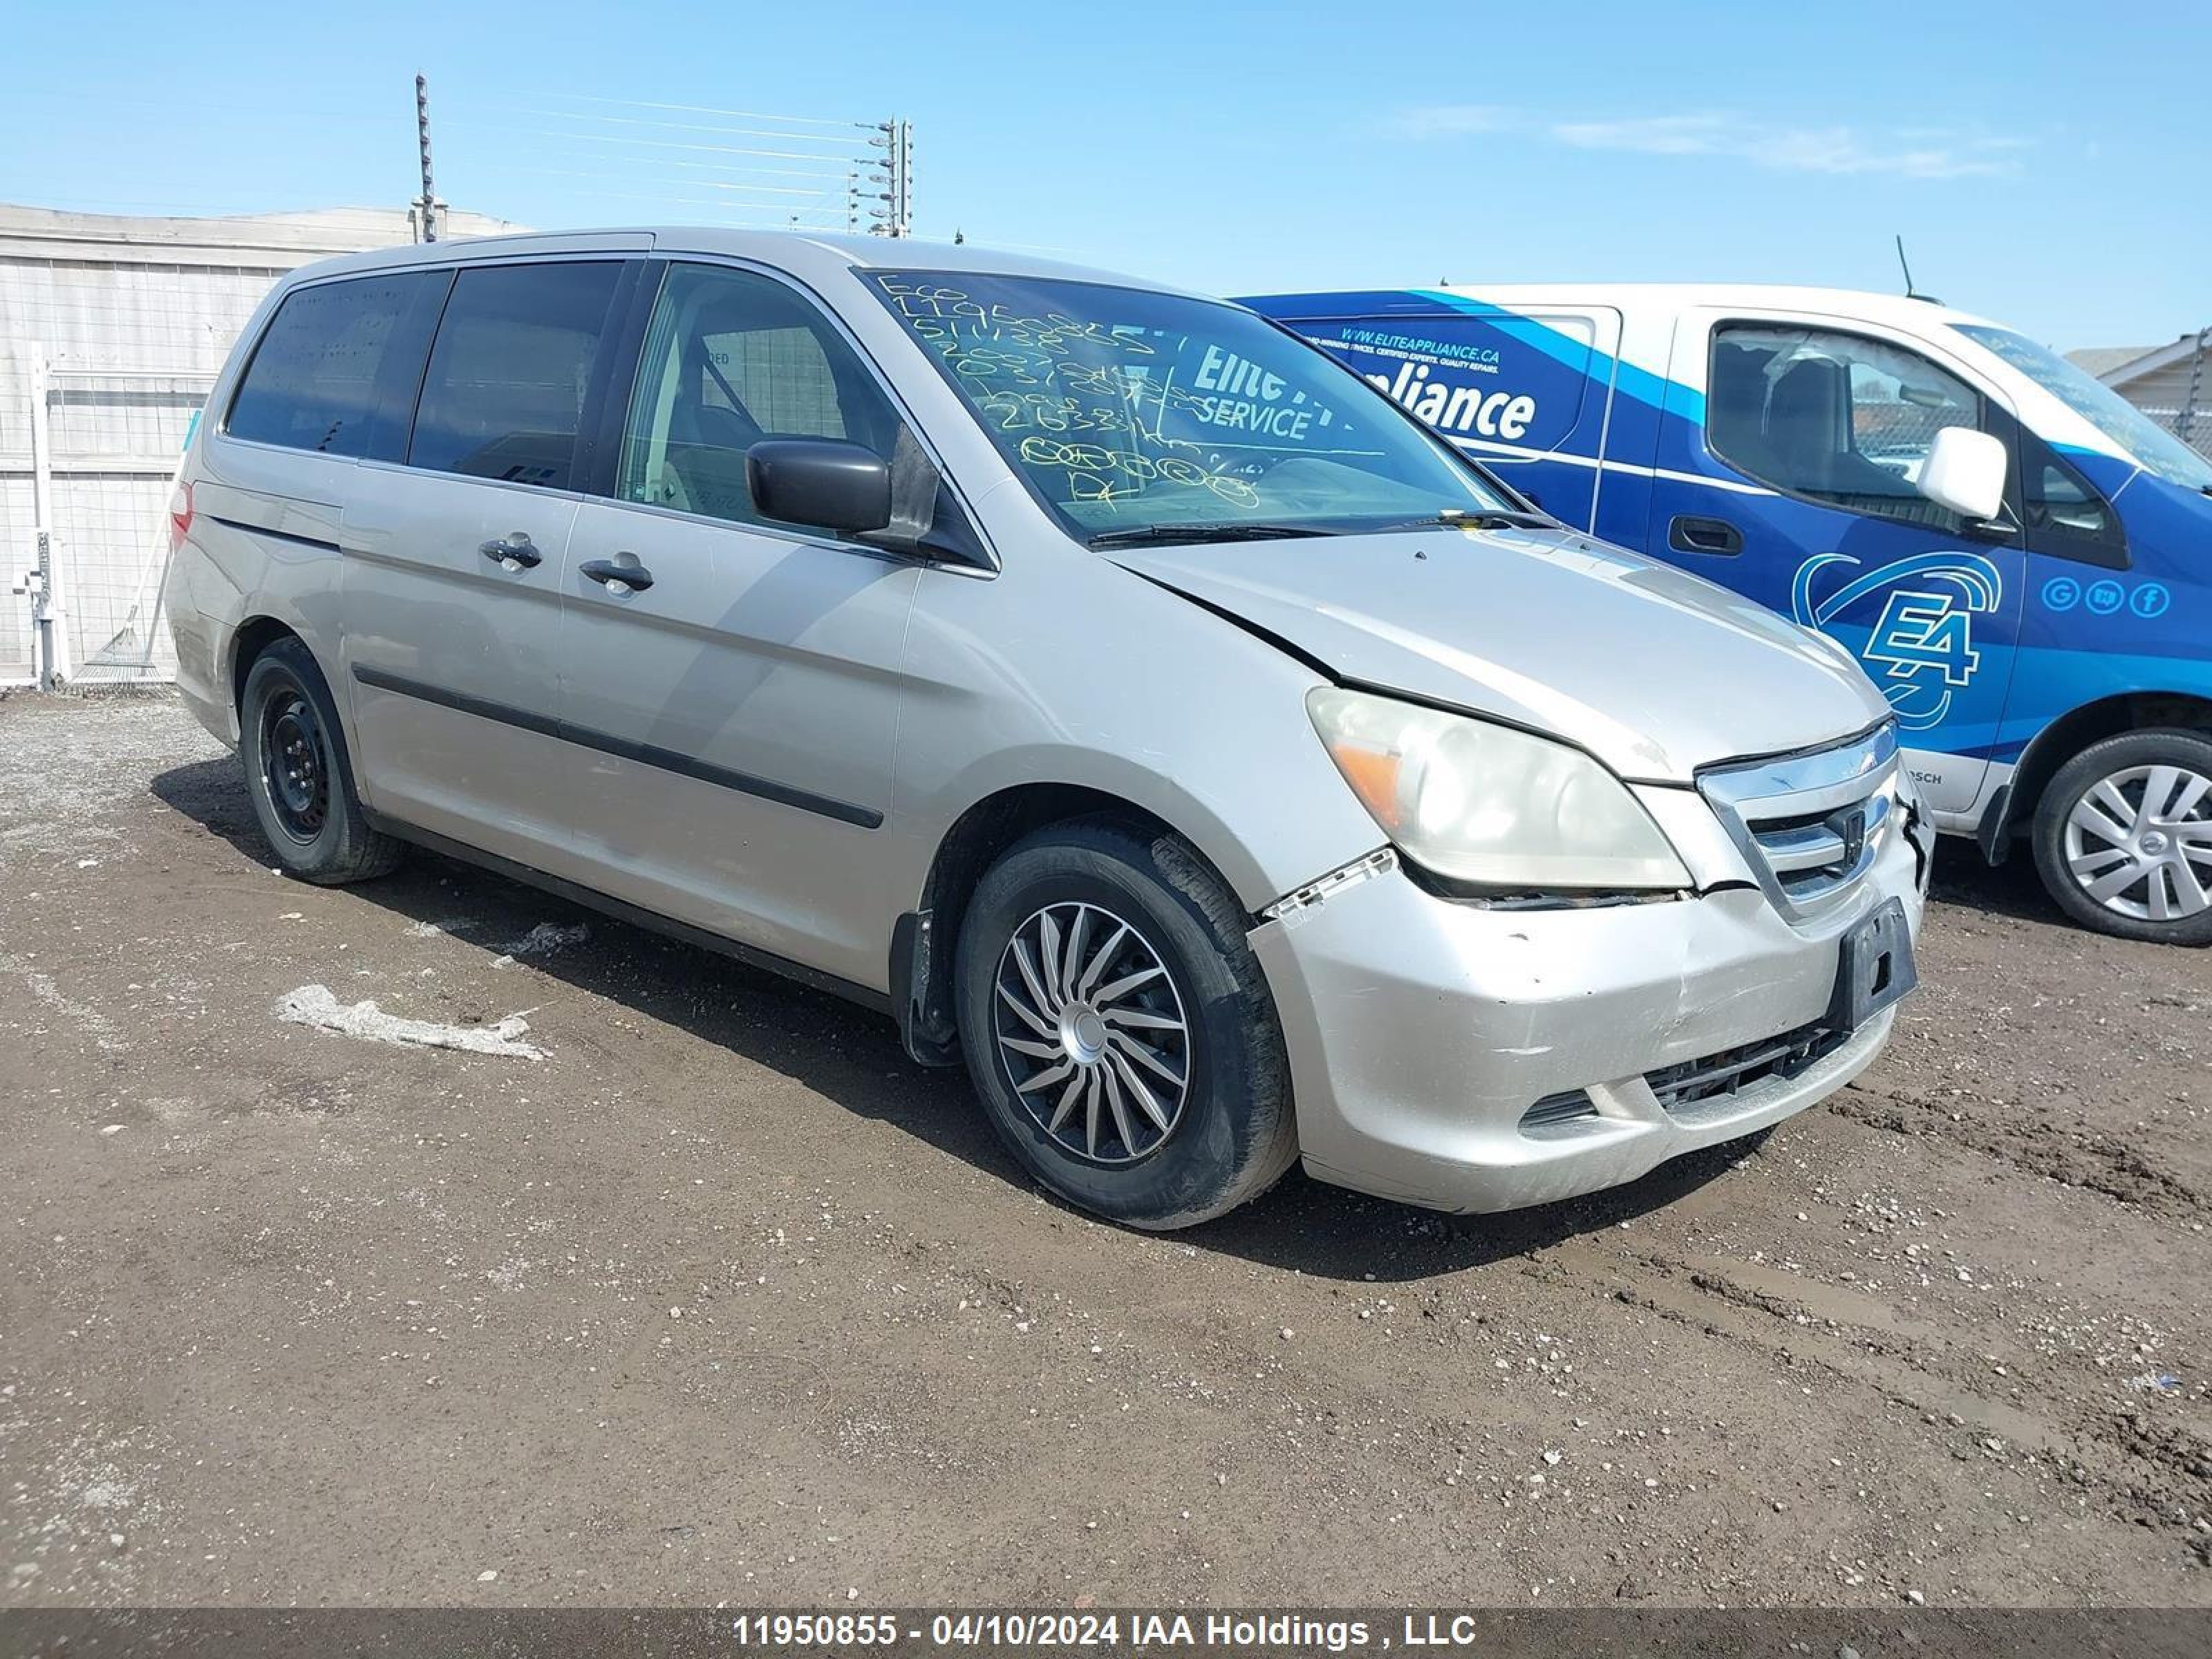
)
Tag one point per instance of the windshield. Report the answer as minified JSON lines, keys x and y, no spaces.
{"x":2149,"y":443}
{"x":1134,"y":414}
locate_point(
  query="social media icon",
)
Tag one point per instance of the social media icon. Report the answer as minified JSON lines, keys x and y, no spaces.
{"x":2061,"y":593}
{"x":2150,"y":600}
{"x":2105,"y":598}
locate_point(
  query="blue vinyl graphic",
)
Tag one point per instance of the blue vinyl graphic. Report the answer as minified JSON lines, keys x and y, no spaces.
{"x":1922,"y":648}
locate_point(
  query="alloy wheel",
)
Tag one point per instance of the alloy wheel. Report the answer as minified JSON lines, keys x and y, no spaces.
{"x":2139,"y":842}
{"x":1091,"y":1031}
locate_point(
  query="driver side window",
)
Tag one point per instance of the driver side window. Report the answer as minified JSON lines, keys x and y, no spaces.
{"x":1836,"y":417}
{"x":732,"y":358}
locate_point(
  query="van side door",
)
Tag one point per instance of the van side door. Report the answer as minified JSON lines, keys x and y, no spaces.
{"x":454,"y":558}
{"x":732,"y":685}
{"x":1786,"y":466}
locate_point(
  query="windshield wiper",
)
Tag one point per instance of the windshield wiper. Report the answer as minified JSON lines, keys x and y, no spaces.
{"x":1481,"y":517}
{"x":1234,"y":531}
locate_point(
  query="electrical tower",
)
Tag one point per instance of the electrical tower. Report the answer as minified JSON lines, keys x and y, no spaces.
{"x":893,"y":178}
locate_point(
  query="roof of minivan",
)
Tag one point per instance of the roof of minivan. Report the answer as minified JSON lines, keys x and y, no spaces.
{"x":802,"y":255}
{"x":1895,"y":308}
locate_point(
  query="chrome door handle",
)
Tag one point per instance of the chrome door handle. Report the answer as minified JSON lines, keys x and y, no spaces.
{"x":516,"y":551}
{"x":618,"y":579}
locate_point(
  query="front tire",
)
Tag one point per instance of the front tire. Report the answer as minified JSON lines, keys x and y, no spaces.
{"x":1120,"y":1031}
{"x":299,"y":776}
{"x":2124,"y":837}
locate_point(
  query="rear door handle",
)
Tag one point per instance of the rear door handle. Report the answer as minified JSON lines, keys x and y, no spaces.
{"x":516,"y":551}
{"x":618,"y":578}
{"x":1690,"y":534}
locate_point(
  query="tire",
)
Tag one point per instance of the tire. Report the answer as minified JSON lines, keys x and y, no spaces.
{"x":299,"y":776}
{"x":2110,"y":810}
{"x":1121,"y":902}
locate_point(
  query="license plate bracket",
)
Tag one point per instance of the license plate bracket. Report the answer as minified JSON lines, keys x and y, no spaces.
{"x":1875,"y":967}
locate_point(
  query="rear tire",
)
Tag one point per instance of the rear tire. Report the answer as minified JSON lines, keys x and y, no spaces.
{"x":299,"y":776}
{"x":1118,"y":1028}
{"x":2124,"y":837}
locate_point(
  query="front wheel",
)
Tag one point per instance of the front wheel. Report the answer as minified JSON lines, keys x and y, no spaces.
{"x":1120,"y":1031}
{"x":2124,"y":837}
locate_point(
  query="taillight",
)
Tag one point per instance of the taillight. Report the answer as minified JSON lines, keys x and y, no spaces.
{"x":180,"y":515}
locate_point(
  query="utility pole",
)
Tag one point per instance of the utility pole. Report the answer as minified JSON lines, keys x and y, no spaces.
{"x":426,"y":205}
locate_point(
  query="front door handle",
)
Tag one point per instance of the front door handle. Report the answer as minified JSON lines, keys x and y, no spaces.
{"x":618,"y":578}
{"x":516,"y":551}
{"x":1690,"y":534}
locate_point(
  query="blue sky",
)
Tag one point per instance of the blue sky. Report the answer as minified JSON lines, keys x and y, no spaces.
{"x":2046,"y":166}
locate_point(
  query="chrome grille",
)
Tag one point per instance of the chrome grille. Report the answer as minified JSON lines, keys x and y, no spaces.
{"x":1811,"y":823}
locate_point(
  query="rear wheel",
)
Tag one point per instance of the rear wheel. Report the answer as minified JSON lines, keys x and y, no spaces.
{"x":2124,"y":837}
{"x":1119,"y":1030}
{"x":298,"y":775}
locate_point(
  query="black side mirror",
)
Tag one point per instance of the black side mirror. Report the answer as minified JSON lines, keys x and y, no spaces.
{"x":823,"y":483}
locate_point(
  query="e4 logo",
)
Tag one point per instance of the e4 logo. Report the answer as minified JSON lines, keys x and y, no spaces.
{"x":1919,"y":632}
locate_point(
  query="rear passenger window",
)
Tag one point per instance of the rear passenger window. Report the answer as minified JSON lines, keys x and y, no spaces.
{"x":314,"y":381}
{"x":504,"y":395}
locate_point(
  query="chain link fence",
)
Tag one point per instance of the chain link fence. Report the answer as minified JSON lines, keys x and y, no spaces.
{"x":2193,"y":426}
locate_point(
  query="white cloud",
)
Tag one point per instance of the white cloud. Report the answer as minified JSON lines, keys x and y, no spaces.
{"x":1450,"y":120}
{"x":1907,"y":153}
{"x":1650,"y":135}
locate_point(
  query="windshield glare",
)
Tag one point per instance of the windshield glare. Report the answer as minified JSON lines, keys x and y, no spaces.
{"x":2149,"y":444}
{"x":1127,"y":409}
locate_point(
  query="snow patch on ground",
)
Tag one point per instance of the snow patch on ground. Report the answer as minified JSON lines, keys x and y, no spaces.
{"x":313,"y":1004}
{"x":544,"y":940}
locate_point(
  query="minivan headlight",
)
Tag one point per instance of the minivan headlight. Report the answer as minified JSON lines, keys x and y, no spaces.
{"x":1475,"y":802}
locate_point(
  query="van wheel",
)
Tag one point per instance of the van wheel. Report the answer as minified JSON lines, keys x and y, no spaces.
{"x":298,"y":775}
{"x":2123,"y":837}
{"x":1118,"y":1028}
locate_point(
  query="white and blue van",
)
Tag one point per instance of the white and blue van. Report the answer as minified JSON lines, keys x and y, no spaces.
{"x":2020,"y":559}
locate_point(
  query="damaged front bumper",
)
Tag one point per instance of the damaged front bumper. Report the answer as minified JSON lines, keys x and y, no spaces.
{"x":1474,"y":1058}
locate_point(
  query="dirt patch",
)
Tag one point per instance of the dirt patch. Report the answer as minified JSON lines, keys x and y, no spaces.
{"x":722,"y":1299}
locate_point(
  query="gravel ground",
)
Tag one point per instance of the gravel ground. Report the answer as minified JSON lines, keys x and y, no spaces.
{"x":717,"y":1296}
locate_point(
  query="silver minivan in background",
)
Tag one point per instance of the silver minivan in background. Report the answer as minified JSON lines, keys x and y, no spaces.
{"x":1128,"y":699}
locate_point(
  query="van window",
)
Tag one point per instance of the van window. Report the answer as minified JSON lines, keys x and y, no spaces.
{"x":2134,"y":432}
{"x":1834,"y":417}
{"x":732,"y":357}
{"x":314,"y":380}
{"x":1134,"y":412}
{"x":504,"y":395}
{"x":2067,"y":516}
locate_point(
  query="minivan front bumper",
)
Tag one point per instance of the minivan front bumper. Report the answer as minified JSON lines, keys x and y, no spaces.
{"x":1422,"y":1030}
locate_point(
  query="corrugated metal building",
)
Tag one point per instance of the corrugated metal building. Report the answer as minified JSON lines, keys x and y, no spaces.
{"x":112,"y":329}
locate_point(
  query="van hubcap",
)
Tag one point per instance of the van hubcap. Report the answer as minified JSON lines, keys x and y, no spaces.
{"x":1091,"y":1029}
{"x":294,"y":766}
{"x":2139,"y":842}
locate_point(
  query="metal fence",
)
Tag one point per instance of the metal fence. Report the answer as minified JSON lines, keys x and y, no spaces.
{"x":105,"y":367}
{"x":2193,"y":426}
{"x":84,"y":515}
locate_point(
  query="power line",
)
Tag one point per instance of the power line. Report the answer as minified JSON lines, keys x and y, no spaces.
{"x":687,"y":126}
{"x":702,"y":109}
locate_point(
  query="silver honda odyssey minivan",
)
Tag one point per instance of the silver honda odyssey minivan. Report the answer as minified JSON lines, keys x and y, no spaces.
{"x":1134,"y":704}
